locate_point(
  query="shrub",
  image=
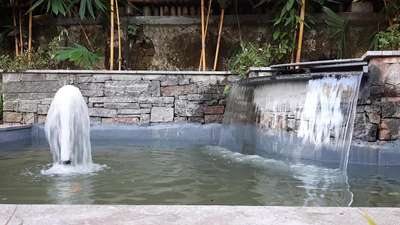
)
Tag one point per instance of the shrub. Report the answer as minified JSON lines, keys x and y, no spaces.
{"x":251,"y":55}
{"x":39,"y":60}
{"x":53,"y":57}
{"x":79,"y":56}
{"x":388,"y":39}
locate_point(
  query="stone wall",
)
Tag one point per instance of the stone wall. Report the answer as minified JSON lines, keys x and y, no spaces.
{"x":174,"y":43}
{"x":120,"y":97}
{"x":378,"y":110}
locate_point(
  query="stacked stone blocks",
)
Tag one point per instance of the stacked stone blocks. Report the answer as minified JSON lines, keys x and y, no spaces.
{"x":120,"y":98}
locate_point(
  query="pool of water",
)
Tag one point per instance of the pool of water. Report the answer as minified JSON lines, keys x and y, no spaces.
{"x":198,"y":175}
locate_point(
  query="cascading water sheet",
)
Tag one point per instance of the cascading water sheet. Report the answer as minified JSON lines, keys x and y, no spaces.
{"x":328,"y":114}
{"x":306,"y":125}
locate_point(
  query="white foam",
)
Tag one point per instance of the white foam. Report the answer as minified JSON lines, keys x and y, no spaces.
{"x":60,"y":169}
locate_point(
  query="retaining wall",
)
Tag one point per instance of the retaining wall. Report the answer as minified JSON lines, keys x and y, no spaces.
{"x":134,"y":97}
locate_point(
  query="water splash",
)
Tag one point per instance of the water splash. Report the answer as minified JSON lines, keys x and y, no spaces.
{"x":67,"y":131}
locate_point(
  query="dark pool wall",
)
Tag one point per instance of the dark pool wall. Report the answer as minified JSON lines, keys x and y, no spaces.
{"x":135,"y":97}
{"x":21,"y":135}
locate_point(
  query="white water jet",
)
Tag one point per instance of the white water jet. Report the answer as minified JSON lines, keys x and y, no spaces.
{"x":67,"y":131}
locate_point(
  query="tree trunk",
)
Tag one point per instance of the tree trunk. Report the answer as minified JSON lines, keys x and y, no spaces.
{"x":203,"y":40}
{"x":30,"y":35}
{"x":206,"y":30}
{"x":15,"y":31}
{"x":119,"y":36}
{"x":111,"y":34}
{"x":301,"y":31}
{"x":221,"y":24}
{"x":21,"y":40}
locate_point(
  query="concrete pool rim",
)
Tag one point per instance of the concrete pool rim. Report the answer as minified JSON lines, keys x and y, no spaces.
{"x":189,"y":214}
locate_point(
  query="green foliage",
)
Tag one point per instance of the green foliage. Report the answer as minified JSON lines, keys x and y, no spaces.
{"x":227,"y":90}
{"x":51,"y":58}
{"x":285,"y":25}
{"x":132,"y":30}
{"x":388,"y":39}
{"x":250,"y":55}
{"x":89,"y":5}
{"x":338,"y":27}
{"x":391,"y":11}
{"x":78,"y":55}
{"x":55,"y":7}
{"x":40,"y":59}
{"x":63,"y":7}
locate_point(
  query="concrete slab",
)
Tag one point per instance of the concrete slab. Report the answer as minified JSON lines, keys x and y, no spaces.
{"x":143,"y":215}
{"x":6,"y":213}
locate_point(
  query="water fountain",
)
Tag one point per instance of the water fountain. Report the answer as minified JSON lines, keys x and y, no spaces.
{"x":314,"y":120}
{"x":67,"y":131}
{"x":310,"y":124}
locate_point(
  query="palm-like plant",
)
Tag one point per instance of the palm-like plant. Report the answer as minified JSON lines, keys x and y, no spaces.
{"x":64,"y":7}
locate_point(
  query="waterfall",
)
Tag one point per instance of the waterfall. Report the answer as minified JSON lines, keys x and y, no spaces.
{"x":328,"y":114}
{"x":306,"y":125}
{"x":311,"y":120}
{"x":67,"y":131}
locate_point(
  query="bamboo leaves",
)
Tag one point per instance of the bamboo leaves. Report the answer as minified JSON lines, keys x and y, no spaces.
{"x":89,"y":6}
{"x":63,"y":7}
{"x":56,"y":7}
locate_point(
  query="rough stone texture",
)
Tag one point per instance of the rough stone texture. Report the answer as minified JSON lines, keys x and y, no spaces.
{"x":178,"y":90}
{"x":389,"y":129}
{"x":213,"y":118}
{"x":101,"y":112}
{"x":162,"y":114}
{"x":219,"y":109}
{"x":188,"y":108}
{"x":120,"y":98}
{"x":132,"y":88}
{"x":378,"y":109}
{"x":121,"y":120}
{"x":125,"y":105}
{"x":391,"y":109}
{"x":12,"y":117}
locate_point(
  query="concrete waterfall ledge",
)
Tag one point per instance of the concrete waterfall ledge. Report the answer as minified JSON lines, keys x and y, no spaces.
{"x":118,"y":214}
